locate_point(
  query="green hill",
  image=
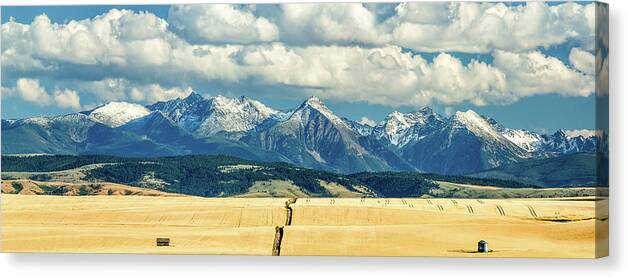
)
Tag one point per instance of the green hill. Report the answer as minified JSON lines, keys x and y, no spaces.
{"x":222,"y":176}
{"x":203,"y":175}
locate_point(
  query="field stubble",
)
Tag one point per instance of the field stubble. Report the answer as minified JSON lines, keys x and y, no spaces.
{"x":576,"y":228}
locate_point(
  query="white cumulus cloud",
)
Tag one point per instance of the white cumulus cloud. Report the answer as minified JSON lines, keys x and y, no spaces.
{"x":481,"y":27}
{"x":7,"y":91}
{"x":67,"y":99}
{"x":422,"y":26}
{"x":30,"y":90}
{"x":125,"y":55}
{"x":531,"y":73}
{"x":119,"y":89}
{"x":154,"y":92}
{"x":393,"y":77}
{"x":112,"y":38}
{"x":220,"y":23}
{"x":582,"y":60}
{"x":330,"y":23}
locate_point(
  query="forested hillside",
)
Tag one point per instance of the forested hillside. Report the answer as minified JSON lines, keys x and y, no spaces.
{"x":211,"y":176}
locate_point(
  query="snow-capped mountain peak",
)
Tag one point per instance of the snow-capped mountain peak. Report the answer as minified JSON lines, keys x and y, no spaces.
{"x":399,"y":119}
{"x":310,"y":135}
{"x":317,"y":104}
{"x":470,"y":117}
{"x":115,"y":114}
{"x":473,"y":121}
{"x":314,"y":100}
{"x":483,"y":128}
{"x":406,"y":120}
{"x":227,"y":114}
{"x":205,"y":117}
{"x":194,"y":96}
{"x":426,"y":111}
{"x":262,"y":108}
{"x":560,"y":133}
{"x":395,"y":126}
{"x":361,"y":128}
{"x":400,"y":128}
{"x":584,"y":133}
{"x":42,"y":121}
{"x":237,"y":105}
{"x":527,"y":140}
{"x":561,"y":142}
{"x":186,"y":112}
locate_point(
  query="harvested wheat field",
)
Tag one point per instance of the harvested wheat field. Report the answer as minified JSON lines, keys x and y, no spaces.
{"x":130,"y":224}
{"x":311,"y":226}
{"x":448,"y":227}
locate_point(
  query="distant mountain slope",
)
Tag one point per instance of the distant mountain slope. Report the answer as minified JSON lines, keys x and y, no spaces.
{"x":310,"y":135}
{"x":157,"y":127}
{"x":399,"y":129}
{"x":580,"y":169}
{"x":314,"y":137}
{"x":51,"y":135}
{"x":72,"y":134}
{"x":465,"y":143}
{"x":543,"y":145}
{"x":205,"y":117}
{"x":561,"y":143}
{"x":150,"y":135}
{"x":115,"y":114}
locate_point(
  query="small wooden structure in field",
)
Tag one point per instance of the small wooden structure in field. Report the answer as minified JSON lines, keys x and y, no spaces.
{"x":163,"y":241}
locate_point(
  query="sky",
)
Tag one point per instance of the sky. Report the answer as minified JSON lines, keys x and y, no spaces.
{"x":527,"y":65}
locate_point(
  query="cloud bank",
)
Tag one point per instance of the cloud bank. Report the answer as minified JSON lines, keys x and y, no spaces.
{"x":345,"y":52}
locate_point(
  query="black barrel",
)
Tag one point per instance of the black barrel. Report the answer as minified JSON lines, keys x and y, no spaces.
{"x":482,"y":246}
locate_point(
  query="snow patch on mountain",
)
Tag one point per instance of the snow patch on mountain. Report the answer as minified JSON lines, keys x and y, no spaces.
{"x":233,"y":115}
{"x":396,"y":125}
{"x":586,"y":133}
{"x":474,"y":122}
{"x":527,"y":140}
{"x":361,"y":128}
{"x":401,"y":128}
{"x":115,"y":114}
{"x":498,"y":149}
{"x":312,"y":135}
{"x":187,"y":113}
{"x":561,"y":143}
{"x":205,"y":117}
{"x":41,"y":121}
{"x":308,"y":110}
{"x":366,"y":121}
{"x":318,"y":105}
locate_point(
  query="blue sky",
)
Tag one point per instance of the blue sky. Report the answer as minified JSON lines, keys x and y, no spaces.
{"x":425,"y":70}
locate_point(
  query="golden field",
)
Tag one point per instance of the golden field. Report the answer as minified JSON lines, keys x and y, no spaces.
{"x":448,"y":227}
{"x":130,"y":224}
{"x":574,"y":228}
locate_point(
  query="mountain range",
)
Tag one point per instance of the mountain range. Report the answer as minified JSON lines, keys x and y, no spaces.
{"x":310,"y":135}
